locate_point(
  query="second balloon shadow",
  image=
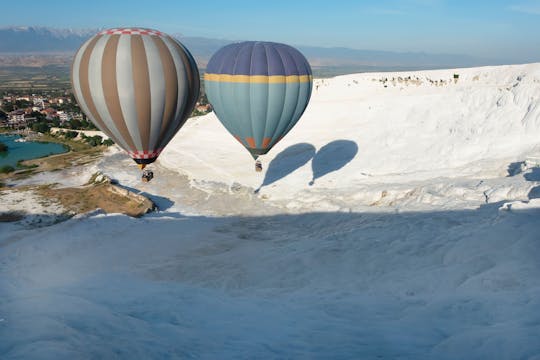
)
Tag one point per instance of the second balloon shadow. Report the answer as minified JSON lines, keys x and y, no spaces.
{"x":331,"y":157}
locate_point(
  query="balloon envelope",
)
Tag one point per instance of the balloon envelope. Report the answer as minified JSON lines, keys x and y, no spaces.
{"x":259,"y":91}
{"x":136,"y":85}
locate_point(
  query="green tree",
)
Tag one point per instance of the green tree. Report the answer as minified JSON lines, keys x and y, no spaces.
{"x":22,"y":104}
{"x":41,"y":127}
{"x":71,"y":134}
{"x":39,"y":116}
{"x":8,"y":107}
{"x":94,"y":140}
{"x":75,"y":124}
{"x":91,"y":126}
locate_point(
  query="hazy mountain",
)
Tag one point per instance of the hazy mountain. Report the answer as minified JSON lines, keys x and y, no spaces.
{"x":203,"y":48}
{"x":341,"y":56}
{"x":42,"y":40}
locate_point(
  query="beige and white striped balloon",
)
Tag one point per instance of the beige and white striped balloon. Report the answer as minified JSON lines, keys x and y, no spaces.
{"x":138,"y":86}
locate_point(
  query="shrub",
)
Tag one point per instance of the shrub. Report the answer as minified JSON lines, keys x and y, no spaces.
{"x":108,"y":142}
{"x":21,"y":165}
{"x":6,"y":169}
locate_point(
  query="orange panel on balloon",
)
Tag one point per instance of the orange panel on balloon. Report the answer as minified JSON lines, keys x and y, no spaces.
{"x":251,"y":142}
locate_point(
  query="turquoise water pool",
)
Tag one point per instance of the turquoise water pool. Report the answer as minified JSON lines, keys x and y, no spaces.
{"x":26,"y":150}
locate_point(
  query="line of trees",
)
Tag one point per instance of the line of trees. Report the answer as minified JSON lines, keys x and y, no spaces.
{"x":95,"y":140}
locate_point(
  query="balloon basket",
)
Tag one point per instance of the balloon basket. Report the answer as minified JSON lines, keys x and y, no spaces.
{"x":147,"y":175}
{"x":258,"y":166}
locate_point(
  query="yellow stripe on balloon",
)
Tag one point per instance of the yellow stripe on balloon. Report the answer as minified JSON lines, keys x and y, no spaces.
{"x":266,"y":79}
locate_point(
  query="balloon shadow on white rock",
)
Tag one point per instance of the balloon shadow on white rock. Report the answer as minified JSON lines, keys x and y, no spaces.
{"x":533,"y":175}
{"x":332,"y":157}
{"x":162,"y":203}
{"x":515,"y":168}
{"x":287,"y":161}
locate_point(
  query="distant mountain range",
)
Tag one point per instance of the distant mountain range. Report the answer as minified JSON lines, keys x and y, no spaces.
{"x":18,"y":43}
{"x":30,"y":39}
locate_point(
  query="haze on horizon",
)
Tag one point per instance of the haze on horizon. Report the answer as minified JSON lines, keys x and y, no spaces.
{"x":499,"y":30}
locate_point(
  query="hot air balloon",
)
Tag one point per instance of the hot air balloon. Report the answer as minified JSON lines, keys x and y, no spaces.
{"x":259,"y":91}
{"x":136,"y":85}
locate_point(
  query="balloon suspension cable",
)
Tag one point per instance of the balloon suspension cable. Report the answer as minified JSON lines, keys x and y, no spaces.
{"x":141,"y":166}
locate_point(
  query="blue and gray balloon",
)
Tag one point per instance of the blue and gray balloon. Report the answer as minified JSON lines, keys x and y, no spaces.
{"x":259,"y":90}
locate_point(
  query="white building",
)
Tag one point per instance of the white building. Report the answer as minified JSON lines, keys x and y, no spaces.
{"x":64,"y":117}
{"x":18,"y":119}
{"x":38,"y":102}
{"x":16,"y":116}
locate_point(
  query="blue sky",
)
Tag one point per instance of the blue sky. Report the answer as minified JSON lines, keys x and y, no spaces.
{"x":492,"y":29}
